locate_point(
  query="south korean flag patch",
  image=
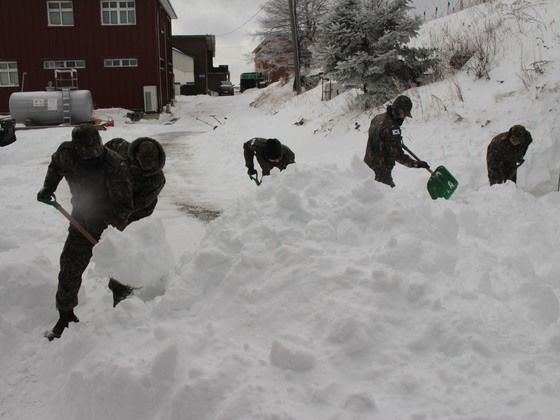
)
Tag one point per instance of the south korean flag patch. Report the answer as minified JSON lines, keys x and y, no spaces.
{"x":396,"y":132}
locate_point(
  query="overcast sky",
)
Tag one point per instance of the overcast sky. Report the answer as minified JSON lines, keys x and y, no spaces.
{"x":220,"y":17}
{"x":234,"y":21}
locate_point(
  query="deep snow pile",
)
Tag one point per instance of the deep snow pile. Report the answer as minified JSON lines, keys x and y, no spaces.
{"x":367,"y":303}
{"x":318,"y":295}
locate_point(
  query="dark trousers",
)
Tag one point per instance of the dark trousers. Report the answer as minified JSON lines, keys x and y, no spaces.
{"x":74,"y":259}
{"x":383,"y":174}
{"x":502,"y":173}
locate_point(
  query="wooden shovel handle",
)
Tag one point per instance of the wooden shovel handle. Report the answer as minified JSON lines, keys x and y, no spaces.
{"x":414,"y":156}
{"x":76,"y":224}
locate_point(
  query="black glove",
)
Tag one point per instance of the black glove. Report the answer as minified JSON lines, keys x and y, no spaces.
{"x":422,"y":164}
{"x":45,"y":194}
{"x":121,"y":224}
{"x":251,"y":171}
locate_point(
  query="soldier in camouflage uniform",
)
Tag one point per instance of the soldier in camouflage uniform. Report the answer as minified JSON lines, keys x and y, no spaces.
{"x":270,"y":153}
{"x":146,"y":159}
{"x":506,"y":153}
{"x":384,"y":146}
{"x":101,"y":195}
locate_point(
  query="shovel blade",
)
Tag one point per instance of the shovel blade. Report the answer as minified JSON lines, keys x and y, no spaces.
{"x":442,"y":183}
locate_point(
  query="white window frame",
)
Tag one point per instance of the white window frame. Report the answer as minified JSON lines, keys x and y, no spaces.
{"x":115,"y":12}
{"x":114,"y":63}
{"x":10,"y":69}
{"x":64,"y":64}
{"x":62,"y":8}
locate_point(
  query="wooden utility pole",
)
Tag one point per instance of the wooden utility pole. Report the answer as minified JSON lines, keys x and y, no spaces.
{"x":295,"y":43}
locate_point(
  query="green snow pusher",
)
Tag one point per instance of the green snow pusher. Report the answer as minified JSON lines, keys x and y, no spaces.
{"x":441,"y":182}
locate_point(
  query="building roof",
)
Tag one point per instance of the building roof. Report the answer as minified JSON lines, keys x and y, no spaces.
{"x":178,"y":51}
{"x":166,"y":4}
{"x":210,"y":41}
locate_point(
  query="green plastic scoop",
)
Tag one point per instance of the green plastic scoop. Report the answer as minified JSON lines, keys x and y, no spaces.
{"x":441,"y":182}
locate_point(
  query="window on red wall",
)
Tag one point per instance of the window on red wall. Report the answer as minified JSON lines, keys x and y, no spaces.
{"x":120,"y":62}
{"x":118,"y":12}
{"x":64,"y":64}
{"x":8,"y":73}
{"x":60,"y":13}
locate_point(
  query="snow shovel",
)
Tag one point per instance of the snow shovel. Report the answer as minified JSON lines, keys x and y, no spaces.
{"x":207,"y":123}
{"x":441,"y":182}
{"x":256,"y":179}
{"x":72,"y":221}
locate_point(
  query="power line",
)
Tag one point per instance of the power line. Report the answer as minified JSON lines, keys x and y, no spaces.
{"x":245,"y":23}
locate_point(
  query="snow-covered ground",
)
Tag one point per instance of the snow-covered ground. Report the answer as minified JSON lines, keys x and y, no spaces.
{"x":320,"y":294}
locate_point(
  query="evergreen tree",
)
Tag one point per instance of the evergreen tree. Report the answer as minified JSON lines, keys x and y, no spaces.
{"x":365,"y":45}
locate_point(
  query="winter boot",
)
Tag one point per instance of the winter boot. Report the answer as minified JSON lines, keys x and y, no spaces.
{"x":65,"y":318}
{"x":120,"y":291}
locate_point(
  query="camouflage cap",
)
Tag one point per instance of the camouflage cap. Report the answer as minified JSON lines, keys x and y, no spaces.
{"x":87,"y":141}
{"x":272,"y":149}
{"x":148,"y":155}
{"x":517,"y":134}
{"x":404,"y":104}
{"x":517,"y":131}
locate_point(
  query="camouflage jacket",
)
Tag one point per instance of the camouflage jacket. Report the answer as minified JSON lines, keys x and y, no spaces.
{"x":384,"y":146}
{"x":100,"y":187}
{"x":255,"y":147}
{"x":146,"y":186}
{"x":501,"y":151}
{"x":503,"y":158}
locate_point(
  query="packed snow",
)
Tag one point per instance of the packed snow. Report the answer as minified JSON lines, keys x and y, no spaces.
{"x":320,"y":294}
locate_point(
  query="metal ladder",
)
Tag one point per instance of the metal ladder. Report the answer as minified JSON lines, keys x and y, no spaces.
{"x":66,"y":107}
{"x":66,"y":80}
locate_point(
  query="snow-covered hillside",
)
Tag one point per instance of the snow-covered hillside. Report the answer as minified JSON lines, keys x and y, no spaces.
{"x":320,"y":294}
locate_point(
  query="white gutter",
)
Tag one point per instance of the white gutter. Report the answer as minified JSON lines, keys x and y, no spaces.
{"x":166,"y":4}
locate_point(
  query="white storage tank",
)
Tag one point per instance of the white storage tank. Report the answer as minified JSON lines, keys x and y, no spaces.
{"x":46,"y":107}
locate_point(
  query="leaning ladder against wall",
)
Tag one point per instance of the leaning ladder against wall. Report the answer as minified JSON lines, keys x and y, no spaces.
{"x":66,"y":80}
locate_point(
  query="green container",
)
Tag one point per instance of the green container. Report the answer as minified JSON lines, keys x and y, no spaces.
{"x":442,"y":183}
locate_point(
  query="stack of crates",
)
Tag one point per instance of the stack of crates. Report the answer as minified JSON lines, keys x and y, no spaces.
{"x":7,"y":130}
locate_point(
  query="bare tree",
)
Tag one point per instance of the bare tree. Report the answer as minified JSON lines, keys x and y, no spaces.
{"x":275,"y":33}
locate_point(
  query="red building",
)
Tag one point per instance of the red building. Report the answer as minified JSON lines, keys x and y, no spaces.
{"x":273,"y":64}
{"x":121,"y":49}
{"x":202,"y":48}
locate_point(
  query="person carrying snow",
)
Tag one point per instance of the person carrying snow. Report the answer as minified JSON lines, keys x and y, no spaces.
{"x":506,"y":153}
{"x":384,"y":146}
{"x":101,"y":195}
{"x":270,"y":153}
{"x":146,"y":159}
